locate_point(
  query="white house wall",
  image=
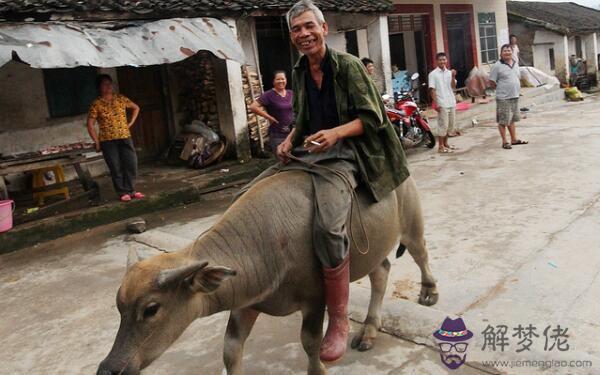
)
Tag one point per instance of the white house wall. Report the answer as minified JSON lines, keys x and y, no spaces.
{"x":246,"y":32}
{"x":591,"y":51}
{"x":479,"y":6}
{"x":541,"y":57}
{"x":542,"y":42}
{"x":410,"y":52}
{"x":363,"y":43}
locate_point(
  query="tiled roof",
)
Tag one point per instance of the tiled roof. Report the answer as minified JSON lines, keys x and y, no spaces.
{"x":157,"y":8}
{"x":564,"y":17}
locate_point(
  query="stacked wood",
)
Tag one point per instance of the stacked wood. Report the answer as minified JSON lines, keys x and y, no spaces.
{"x":197,"y":96}
{"x":257,"y":126}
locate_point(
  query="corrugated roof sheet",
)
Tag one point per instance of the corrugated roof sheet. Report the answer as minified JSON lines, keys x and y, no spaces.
{"x":156,"y":8}
{"x":564,"y":17}
{"x":54,"y":45}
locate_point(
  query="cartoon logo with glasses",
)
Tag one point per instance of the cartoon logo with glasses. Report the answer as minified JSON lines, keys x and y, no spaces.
{"x":451,"y":339}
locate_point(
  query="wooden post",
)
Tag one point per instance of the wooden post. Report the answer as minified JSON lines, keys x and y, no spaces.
{"x":3,"y":189}
{"x":248,"y":79}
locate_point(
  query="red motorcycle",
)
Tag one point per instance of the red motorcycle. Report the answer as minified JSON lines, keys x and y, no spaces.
{"x":409,"y":122}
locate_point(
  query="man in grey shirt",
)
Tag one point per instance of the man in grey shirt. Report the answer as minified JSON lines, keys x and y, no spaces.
{"x":506,"y":79}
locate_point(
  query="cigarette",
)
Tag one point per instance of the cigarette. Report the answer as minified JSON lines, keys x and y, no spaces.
{"x":315,"y":143}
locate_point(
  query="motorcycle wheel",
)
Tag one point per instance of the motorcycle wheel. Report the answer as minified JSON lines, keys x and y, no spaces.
{"x":429,"y":135}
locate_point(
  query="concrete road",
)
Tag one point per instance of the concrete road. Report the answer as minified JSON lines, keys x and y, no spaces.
{"x":513,"y":239}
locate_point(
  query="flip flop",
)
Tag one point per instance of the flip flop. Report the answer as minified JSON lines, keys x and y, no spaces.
{"x":445,"y":151}
{"x":506,"y":146}
{"x":519,"y":142}
{"x":452,"y":148}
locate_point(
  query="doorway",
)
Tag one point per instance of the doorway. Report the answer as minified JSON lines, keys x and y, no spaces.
{"x":460,"y":49}
{"x":275,"y":51}
{"x":410,"y":45}
{"x":144,"y":86}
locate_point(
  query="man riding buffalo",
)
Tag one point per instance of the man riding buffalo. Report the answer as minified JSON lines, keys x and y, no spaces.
{"x":343,"y":138}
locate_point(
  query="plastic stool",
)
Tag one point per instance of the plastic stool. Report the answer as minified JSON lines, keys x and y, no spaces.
{"x":38,"y":182}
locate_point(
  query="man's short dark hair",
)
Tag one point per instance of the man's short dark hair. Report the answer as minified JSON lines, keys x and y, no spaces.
{"x":101,"y":78}
{"x":505,"y":46}
{"x":440,"y":54}
{"x":512,"y":36}
{"x":366,"y":61}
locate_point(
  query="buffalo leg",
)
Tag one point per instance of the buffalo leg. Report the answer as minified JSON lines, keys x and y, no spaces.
{"x":238,"y":328}
{"x":311,"y":336}
{"x":417,"y":249}
{"x":379,"y":278}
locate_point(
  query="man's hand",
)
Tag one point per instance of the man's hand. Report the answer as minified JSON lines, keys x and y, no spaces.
{"x":273,"y":120}
{"x":98,"y":147}
{"x":282,"y":151}
{"x":326,"y":138}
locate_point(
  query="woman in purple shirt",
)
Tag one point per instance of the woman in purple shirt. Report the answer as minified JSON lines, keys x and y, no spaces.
{"x":277,"y":104}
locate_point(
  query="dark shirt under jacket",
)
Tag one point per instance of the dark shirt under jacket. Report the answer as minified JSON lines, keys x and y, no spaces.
{"x":322,"y":106}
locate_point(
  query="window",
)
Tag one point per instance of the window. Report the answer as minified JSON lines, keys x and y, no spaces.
{"x":551,"y":58}
{"x":69,"y":91}
{"x":487,"y":37}
{"x":352,"y":43}
{"x":400,"y":23}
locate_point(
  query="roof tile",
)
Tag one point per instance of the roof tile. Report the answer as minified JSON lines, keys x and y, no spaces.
{"x":166,"y":7}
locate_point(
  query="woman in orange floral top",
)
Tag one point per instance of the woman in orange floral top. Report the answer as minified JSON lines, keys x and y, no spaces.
{"x":109,"y":110}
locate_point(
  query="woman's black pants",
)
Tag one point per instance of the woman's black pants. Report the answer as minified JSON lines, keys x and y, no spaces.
{"x":121,"y":159}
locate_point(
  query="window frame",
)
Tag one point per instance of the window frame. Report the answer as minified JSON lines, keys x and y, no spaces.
{"x":76,"y":88}
{"x":486,"y":21}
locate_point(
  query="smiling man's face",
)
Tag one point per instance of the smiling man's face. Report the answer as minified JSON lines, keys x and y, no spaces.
{"x":307,"y":35}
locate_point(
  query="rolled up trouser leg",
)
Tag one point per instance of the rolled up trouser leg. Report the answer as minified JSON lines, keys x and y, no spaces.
{"x":333,"y":200}
{"x":332,"y":203}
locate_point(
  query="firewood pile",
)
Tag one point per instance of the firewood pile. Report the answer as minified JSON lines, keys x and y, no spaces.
{"x":197,"y":97}
{"x":257,"y":126}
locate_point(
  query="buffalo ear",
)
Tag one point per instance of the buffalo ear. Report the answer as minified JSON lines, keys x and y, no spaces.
{"x":199,"y":277}
{"x":210,"y":278}
{"x":132,"y":258}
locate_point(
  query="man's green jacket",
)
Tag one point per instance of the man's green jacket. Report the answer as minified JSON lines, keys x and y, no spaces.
{"x":381,"y":159}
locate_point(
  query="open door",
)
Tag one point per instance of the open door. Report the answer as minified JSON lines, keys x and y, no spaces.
{"x":460,"y":50}
{"x":275,"y":51}
{"x":143,"y":86}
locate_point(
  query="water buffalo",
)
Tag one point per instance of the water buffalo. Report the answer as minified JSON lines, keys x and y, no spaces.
{"x":258,"y":258}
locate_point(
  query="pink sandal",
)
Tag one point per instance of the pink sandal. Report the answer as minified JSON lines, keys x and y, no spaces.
{"x":138,"y":195}
{"x":125,"y":198}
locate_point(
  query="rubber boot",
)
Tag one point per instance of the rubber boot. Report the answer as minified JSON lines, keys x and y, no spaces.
{"x":337,"y":285}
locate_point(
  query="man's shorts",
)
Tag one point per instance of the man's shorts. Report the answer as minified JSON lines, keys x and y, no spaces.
{"x":445,"y":120}
{"x":507,"y":111}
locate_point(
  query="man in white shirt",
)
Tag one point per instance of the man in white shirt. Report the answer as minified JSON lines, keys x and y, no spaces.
{"x":514,"y":48}
{"x":442,"y":83}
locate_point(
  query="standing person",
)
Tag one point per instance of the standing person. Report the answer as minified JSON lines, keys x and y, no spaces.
{"x":514,"y":48}
{"x":114,"y":137}
{"x":278,"y":105}
{"x":442,"y":83}
{"x":505,"y":77}
{"x":341,"y":136}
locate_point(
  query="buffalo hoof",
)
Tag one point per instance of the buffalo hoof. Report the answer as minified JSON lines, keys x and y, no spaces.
{"x":362,"y":342}
{"x":317,"y":370}
{"x":429,"y":296}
